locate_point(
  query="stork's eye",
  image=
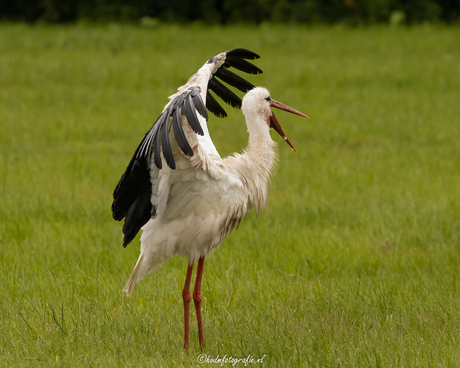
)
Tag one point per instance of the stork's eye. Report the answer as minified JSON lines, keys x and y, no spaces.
{"x":268,"y":99}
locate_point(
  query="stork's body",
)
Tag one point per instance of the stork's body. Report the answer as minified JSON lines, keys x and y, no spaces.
{"x":186,"y":198}
{"x":203,"y":208}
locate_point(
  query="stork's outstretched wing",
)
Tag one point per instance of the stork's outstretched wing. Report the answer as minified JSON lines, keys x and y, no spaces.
{"x":181,"y":124}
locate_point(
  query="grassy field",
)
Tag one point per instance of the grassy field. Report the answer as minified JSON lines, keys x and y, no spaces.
{"x":355,"y":262}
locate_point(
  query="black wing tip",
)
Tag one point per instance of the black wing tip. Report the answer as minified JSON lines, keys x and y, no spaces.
{"x":165,"y":144}
{"x":117,"y":214}
{"x":190,"y":115}
{"x":213,"y":106}
{"x":242,"y":65}
{"x":180,"y":136}
{"x":224,"y":93}
{"x":220,"y":114}
{"x":128,"y":238}
{"x":199,"y":104}
{"x":234,"y":80}
{"x":243,"y":53}
{"x":236,"y":58}
{"x":171,"y":164}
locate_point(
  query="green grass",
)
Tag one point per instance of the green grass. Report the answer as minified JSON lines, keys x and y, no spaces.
{"x":355,"y":262}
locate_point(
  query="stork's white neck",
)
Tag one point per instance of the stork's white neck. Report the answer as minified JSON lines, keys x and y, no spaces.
{"x":261,"y":146}
{"x":260,"y":158}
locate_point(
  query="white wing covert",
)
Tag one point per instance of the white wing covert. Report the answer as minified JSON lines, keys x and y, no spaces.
{"x":179,"y":132}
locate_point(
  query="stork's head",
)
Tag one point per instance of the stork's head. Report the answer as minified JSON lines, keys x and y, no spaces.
{"x":256,"y":108}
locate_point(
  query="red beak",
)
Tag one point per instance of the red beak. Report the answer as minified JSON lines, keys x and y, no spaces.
{"x":274,"y":122}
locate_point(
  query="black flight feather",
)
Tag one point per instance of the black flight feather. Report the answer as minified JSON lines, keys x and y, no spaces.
{"x":138,"y":213}
{"x":189,"y":110}
{"x":156,"y":151}
{"x":198,"y":102}
{"x":213,"y":106}
{"x":146,"y":146}
{"x":150,"y":138}
{"x":243,"y":53}
{"x":179,"y":134}
{"x":131,"y":198}
{"x":234,"y":80}
{"x":165,"y":145}
{"x":224,"y":93}
{"x":241,"y":64}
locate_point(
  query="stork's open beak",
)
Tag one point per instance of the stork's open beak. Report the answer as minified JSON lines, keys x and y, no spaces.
{"x":274,"y":122}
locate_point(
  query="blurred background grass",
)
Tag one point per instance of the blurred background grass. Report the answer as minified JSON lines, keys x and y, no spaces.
{"x":355,"y":261}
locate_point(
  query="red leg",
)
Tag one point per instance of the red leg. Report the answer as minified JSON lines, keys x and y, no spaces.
{"x":187,"y":298}
{"x":197,"y":299}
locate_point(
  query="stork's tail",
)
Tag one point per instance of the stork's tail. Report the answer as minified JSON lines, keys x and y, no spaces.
{"x":146,"y":264}
{"x":153,"y":255}
{"x":130,"y":285}
{"x":135,"y":276}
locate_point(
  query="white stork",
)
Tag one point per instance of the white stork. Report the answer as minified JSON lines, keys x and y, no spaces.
{"x":177,"y":188}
